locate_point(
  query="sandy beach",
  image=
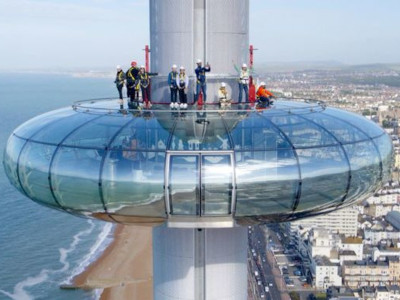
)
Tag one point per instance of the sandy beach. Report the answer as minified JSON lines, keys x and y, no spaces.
{"x":124,"y":270}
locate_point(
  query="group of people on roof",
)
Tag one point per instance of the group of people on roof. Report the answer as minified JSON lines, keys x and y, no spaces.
{"x":138,"y":79}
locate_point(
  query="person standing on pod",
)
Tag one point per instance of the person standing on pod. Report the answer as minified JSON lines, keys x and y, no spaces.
{"x":244,"y":77}
{"x":119,"y":82}
{"x":172,"y":82}
{"x":144,"y":82}
{"x":223,"y":96}
{"x":131,"y":78}
{"x":182,"y":81}
{"x":201,"y":84}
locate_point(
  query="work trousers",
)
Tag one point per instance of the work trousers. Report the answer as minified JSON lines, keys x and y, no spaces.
{"x":201,"y":87}
{"x":245,"y":88}
{"x":174,"y":94}
{"x":182,"y":96}
{"x":145,"y":93}
{"x":119,"y":88}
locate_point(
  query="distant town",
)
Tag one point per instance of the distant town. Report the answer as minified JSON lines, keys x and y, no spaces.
{"x":352,"y":253}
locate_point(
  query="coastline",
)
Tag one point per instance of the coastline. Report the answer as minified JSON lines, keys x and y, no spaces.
{"x":124,"y":270}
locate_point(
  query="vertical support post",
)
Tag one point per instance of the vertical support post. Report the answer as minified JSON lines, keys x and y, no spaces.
{"x":200,"y":264}
{"x":147,"y":57}
{"x":194,"y":264}
{"x":199,"y":30}
{"x":252,"y":87}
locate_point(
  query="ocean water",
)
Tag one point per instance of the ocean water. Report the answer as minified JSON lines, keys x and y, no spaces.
{"x":41,"y":248}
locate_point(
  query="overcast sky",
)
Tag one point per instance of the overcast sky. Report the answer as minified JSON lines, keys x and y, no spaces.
{"x":69,"y":34}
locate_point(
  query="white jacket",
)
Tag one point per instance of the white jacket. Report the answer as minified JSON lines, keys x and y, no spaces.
{"x":244,"y":77}
{"x":182,"y":79}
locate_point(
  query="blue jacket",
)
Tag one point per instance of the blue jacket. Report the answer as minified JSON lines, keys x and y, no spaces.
{"x":201,"y":74}
{"x":172,"y":79}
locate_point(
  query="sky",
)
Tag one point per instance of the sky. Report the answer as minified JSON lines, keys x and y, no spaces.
{"x":82,"y":34}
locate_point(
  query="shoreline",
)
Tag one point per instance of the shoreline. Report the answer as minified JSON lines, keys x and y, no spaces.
{"x":125,"y":269}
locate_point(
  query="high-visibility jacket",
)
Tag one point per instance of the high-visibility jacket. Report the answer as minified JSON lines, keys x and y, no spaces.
{"x":244,"y":77}
{"x":131,"y":74}
{"x":119,"y":78}
{"x":222,"y":94}
{"x":172,"y":79}
{"x":201,"y":74}
{"x":263,"y":92}
{"x":182,"y":81}
{"x":144,"y":79}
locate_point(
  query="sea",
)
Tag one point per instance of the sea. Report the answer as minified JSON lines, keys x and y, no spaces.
{"x":40,"y":248}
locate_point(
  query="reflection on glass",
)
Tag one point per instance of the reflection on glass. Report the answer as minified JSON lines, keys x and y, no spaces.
{"x":358,"y":121}
{"x":325,"y":175}
{"x":10,"y":159}
{"x":55,"y":132}
{"x":365,"y":169}
{"x":75,"y":178}
{"x":343,"y":131}
{"x":257,"y":133}
{"x":133,"y":183}
{"x":34,"y":171}
{"x":267,"y":182}
{"x":301,"y":132}
{"x":148,"y":133}
{"x":200,"y":131}
{"x":183,"y":185}
{"x":216,"y":181}
{"x":386,"y":153}
{"x":96,"y":133}
{"x":27,"y":129}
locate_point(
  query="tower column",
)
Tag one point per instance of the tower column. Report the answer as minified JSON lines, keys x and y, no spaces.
{"x":200,"y":264}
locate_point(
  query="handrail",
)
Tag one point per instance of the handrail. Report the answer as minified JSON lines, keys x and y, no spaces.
{"x":89,"y":105}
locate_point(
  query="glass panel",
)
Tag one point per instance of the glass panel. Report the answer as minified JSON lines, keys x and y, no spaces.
{"x":34,"y":172}
{"x":365,"y":168}
{"x":10,"y":159}
{"x":27,"y":129}
{"x":343,"y":131}
{"x":200,"y":131}
{"x":358,"y":121}
{"x":257,"y":133}
{"x":216,"y":180}
{"x":385,"y":147}
{"x":133,"y":183}
{"x":147,"y":134}
{"x":75,"y":178}
{"x":301,"y":132}
{"x":267,"y":182}
{"x":325,"y":174}
{"x":58,"y":130}
{"x":97,"y":133}
{"x":183,"y":184}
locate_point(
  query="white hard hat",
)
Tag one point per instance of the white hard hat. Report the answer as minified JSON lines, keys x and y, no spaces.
{"x":174,"y":66}
{"x":199,"y":61}
{"x":244,"y":66}
{"x":119,"y":67}
{"x":262,"y":83}
{"x":182,"y":68}
{"x":142,"y":67}
{"x":223,"y":84}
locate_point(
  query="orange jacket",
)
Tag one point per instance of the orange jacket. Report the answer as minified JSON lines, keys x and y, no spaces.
{"x":263,"y":92}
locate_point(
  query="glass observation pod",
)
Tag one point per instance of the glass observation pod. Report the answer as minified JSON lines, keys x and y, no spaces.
{"x":238,"y":166}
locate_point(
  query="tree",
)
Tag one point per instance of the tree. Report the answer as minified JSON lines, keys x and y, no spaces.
{"x":294,"y":295}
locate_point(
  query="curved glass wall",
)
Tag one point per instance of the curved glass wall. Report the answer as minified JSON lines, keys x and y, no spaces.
{"x":33,"y":169}
{"x":291,"y":160}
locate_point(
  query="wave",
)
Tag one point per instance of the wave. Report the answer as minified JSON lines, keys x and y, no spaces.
{"x":103,"y":241}
{"x":20,"y":292}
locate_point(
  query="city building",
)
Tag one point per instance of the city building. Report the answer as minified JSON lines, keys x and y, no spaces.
{"x":325,"y":273}
{"x":344,"y":221}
